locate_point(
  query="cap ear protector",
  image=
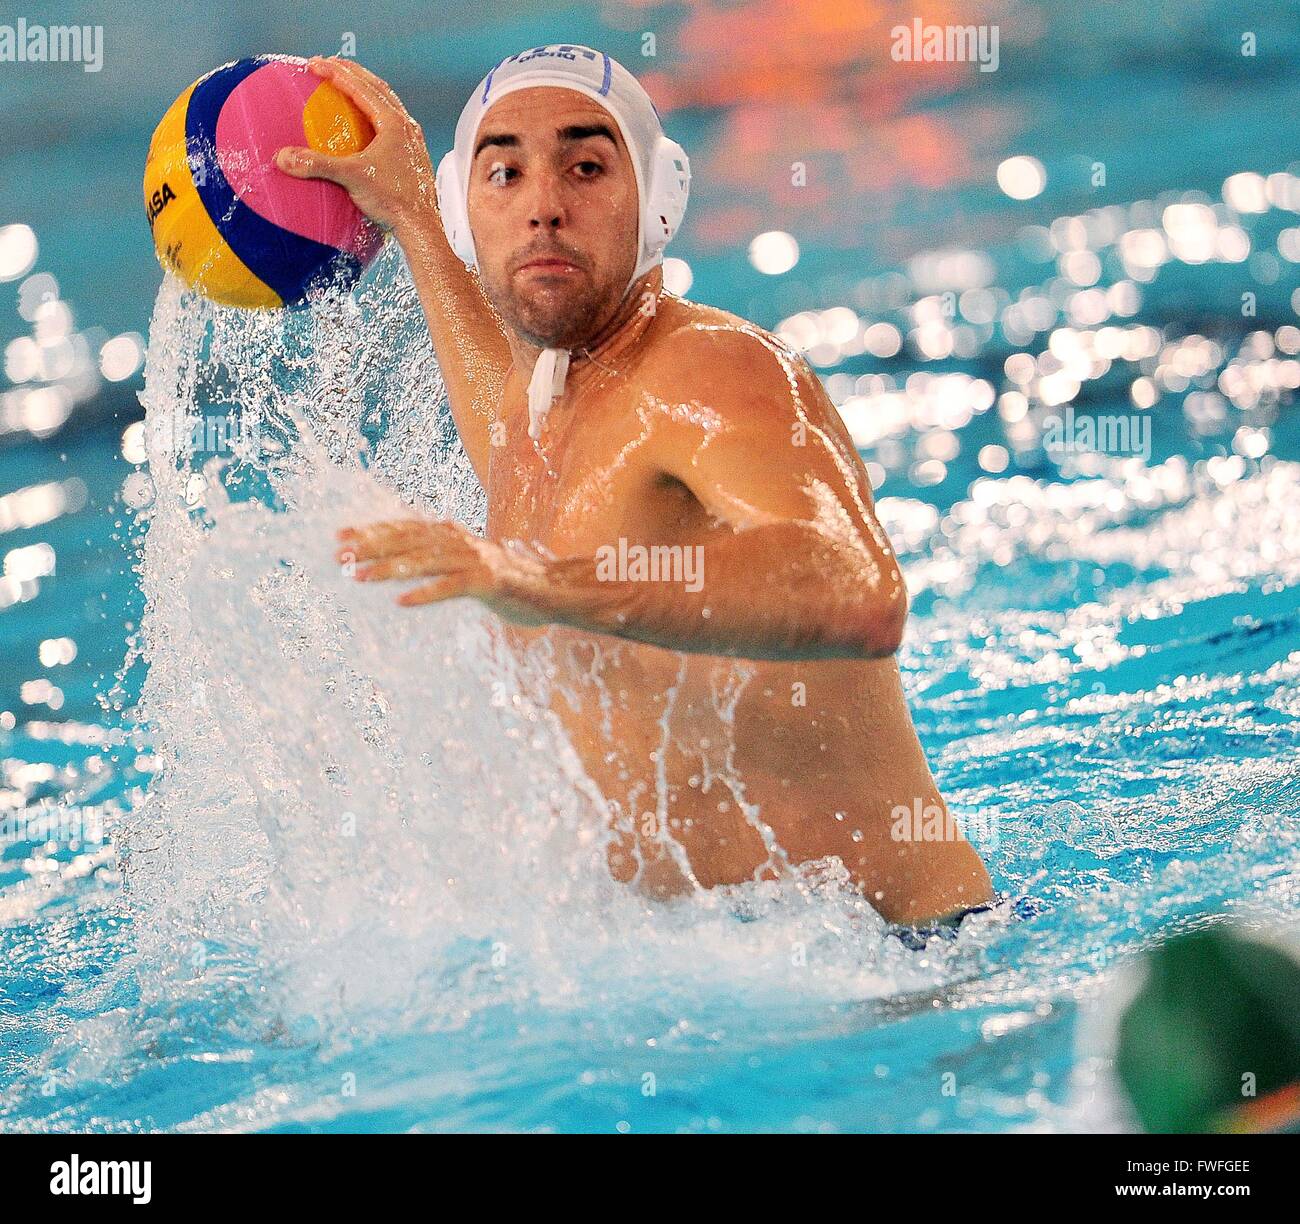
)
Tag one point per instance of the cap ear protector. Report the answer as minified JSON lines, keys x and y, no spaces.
{"x":663,"y":203}
{"x":452,"y":198}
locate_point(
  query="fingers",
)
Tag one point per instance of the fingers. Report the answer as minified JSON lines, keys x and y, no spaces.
{"x":372,"y":95}
{"x":408,"y":565}
{"x":379,"y":540}
{"x":451,"y":587}
{"x":307,"y":163}
{"x":373,"y":84}
{"x":387,"y":529}
{"x":417,"y":548}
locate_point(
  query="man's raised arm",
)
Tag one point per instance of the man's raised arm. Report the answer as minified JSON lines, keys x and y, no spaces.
{"x":392,"y":182}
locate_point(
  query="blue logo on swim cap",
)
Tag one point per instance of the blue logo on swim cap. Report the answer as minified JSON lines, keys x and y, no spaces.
{"x":560,"y":51}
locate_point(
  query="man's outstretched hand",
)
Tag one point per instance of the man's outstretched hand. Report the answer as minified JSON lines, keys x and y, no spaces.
{"x":461,"y":563}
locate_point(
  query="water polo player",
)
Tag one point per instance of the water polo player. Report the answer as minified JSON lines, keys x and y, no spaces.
{"x":673,"y":501}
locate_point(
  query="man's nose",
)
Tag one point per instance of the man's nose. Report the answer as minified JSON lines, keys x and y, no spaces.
{"x":546,"y":209}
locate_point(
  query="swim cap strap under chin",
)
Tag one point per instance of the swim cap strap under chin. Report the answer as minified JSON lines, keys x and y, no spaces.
{"x":547,"y":382}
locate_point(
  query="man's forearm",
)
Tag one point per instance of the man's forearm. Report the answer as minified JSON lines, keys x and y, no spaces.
{"x":471,"y":348}
{"x":781,"y":592}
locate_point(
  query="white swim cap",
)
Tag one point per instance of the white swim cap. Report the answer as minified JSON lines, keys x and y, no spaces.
{"x":662,"y":170}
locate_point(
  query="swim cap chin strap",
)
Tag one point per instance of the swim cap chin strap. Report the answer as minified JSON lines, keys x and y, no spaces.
{"x":663,"y":172}
{"x":547,"y":384}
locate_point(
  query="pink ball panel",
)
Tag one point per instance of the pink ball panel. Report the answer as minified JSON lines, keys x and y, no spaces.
{"x":262,"y":115}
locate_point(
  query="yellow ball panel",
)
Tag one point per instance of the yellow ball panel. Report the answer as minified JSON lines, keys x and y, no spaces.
{"x":333,"y":124}
{"x":184,"y":236}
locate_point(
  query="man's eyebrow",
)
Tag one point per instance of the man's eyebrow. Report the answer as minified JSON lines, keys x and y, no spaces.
{"x":570,"y":135}
{"x":502,"y":139}
{"x":583,"y":131}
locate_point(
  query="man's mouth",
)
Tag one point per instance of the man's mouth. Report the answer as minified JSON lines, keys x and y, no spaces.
{"x":549,"y":263}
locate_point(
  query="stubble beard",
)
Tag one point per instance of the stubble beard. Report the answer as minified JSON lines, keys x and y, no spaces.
{"x":553,"y":320}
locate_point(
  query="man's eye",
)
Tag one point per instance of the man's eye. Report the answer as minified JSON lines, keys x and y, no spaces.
{"x":500,"y":174}
{"x":589,"y":169}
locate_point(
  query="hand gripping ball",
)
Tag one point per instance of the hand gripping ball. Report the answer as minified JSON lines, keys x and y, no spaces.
{"x":224,"y":217}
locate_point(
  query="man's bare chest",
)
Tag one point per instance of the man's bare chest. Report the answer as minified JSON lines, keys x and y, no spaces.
{"x":568,"y":490}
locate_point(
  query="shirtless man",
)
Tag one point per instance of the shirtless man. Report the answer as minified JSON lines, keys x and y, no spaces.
{"x":747,"y":716}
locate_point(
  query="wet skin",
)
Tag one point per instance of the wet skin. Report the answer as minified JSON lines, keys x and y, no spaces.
{"x":735,"y":724}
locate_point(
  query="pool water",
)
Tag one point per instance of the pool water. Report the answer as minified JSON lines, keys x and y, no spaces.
{"x":334,"y":891}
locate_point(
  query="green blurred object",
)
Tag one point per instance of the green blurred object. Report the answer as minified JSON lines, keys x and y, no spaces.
{"x":1216,"y":1009}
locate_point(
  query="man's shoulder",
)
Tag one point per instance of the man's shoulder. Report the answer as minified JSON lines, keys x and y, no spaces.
{"x":702,"y":351}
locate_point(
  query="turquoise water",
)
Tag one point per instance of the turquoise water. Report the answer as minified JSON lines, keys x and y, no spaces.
{"x":1102,"y":663}
{"x":1103,"y":673}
